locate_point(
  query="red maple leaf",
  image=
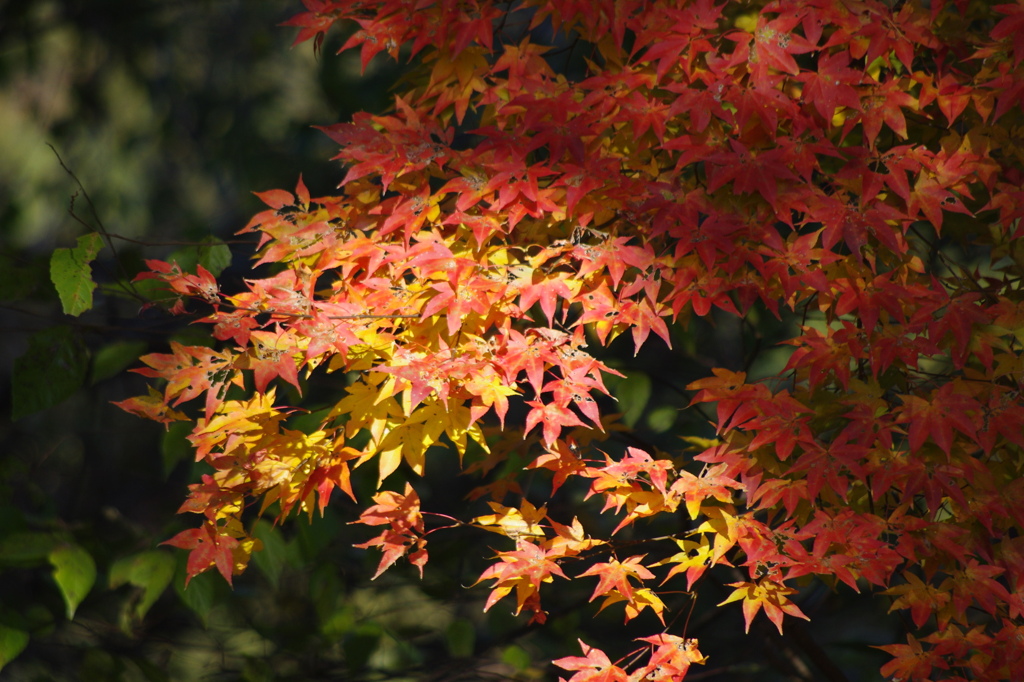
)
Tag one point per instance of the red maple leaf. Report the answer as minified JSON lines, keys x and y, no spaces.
{"x":910,"y":661}
{"x":671,"y":657}
{"x":832,"y":85}
{"x":523,"y":570}
{"x":766,"y":594}
{"x":593,"y":666}
{"x":614,"y":576}
{"x":1011,"y":26}
{"x":552,"y":417}
{"x":208,"y":548}
{"x":884,"y":104}
{"x":401,"y":513}
{"x":272,"y":356}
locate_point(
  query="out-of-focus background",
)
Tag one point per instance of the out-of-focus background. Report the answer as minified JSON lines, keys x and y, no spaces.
{"x":154,"y":121}
{"x":170,"y":114}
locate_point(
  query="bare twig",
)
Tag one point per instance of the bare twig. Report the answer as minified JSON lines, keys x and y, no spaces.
{"x":174,"y":243}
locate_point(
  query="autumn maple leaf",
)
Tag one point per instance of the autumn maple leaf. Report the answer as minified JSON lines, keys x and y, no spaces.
{"x":526,"y":353}
{"x":832,"y":85}
{"x":1011,"y":26}
{"x":593,"y":666}
{"x":614,"y":576}
{"x":766,"y":594}
{"x":512,"y":522}
{"x":885,"y":105}
{"x":695,"y":559}
{"x":202,"y":285}
{"x":910,"y":661}
{"x":671,"y":657}
{"x":571,"y":540}
{"x":192,"y":370}
{"x":776,"y":43}
{"x":921,"y":598}
{"x":546,"y":290}
{"x":562,"y":461}
{"x":152,"y":406}
{"x":272,"y":356}
{"x":208,"y":548}
{"x":552,"y":417}
{"x":401,"y":513}
{"x":797,"y":159}
{"x":523,"y":570}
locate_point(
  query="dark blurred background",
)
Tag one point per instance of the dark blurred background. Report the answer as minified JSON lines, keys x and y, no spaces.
{"x":170,"y":114}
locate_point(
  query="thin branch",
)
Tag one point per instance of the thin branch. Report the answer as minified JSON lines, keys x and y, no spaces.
{"x":100,"y":227}
{"x":175,"y":243}
{"x":307,"y":316}
{"x":803,"y":639}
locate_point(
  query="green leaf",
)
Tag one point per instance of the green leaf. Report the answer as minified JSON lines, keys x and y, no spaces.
{"x":26,"y":549}
{"x":75,"y":572}
{"x":54,"y":367}
{"x":211,"y":253}
{"x":274,"y":555}
{"x":175,"y":446}
{"x":12,"y":642}
{"x":112,"y":359}
{"x":152,"y":290}
{"x":360,"y":644}
{"x":517,"y":657}
{"x":338,"y":623}
{"x":460,"y":638}
{"x":201,"y":592}
{"x":323,"y":532}
{"x":71,"y":273}
{"x":662,"y":418}
{"x":98,"y":665}
{"x":633,"y":393}
{"x":325,"y":590}
{"x":152,"y":571}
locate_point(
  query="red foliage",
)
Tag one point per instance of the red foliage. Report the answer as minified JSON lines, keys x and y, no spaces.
{"x":812,"y":160}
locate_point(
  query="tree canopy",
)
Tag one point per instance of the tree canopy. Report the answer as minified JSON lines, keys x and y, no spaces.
{"x":831,"y":189}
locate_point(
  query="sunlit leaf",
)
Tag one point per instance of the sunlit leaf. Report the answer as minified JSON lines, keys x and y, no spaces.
{"x":71,"y":273}
{"x":74,"y":571}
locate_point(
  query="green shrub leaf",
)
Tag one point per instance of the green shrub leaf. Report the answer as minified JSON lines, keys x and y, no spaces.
{"x":71,"y":273}
{"x":75,"y":572}
{"x":54,"y":367}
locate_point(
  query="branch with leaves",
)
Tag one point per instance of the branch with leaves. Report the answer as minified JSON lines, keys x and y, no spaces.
{"x":780,"y":158}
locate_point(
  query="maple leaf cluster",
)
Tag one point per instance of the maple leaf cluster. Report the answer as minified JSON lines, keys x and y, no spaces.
{"x":817,"y":160}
